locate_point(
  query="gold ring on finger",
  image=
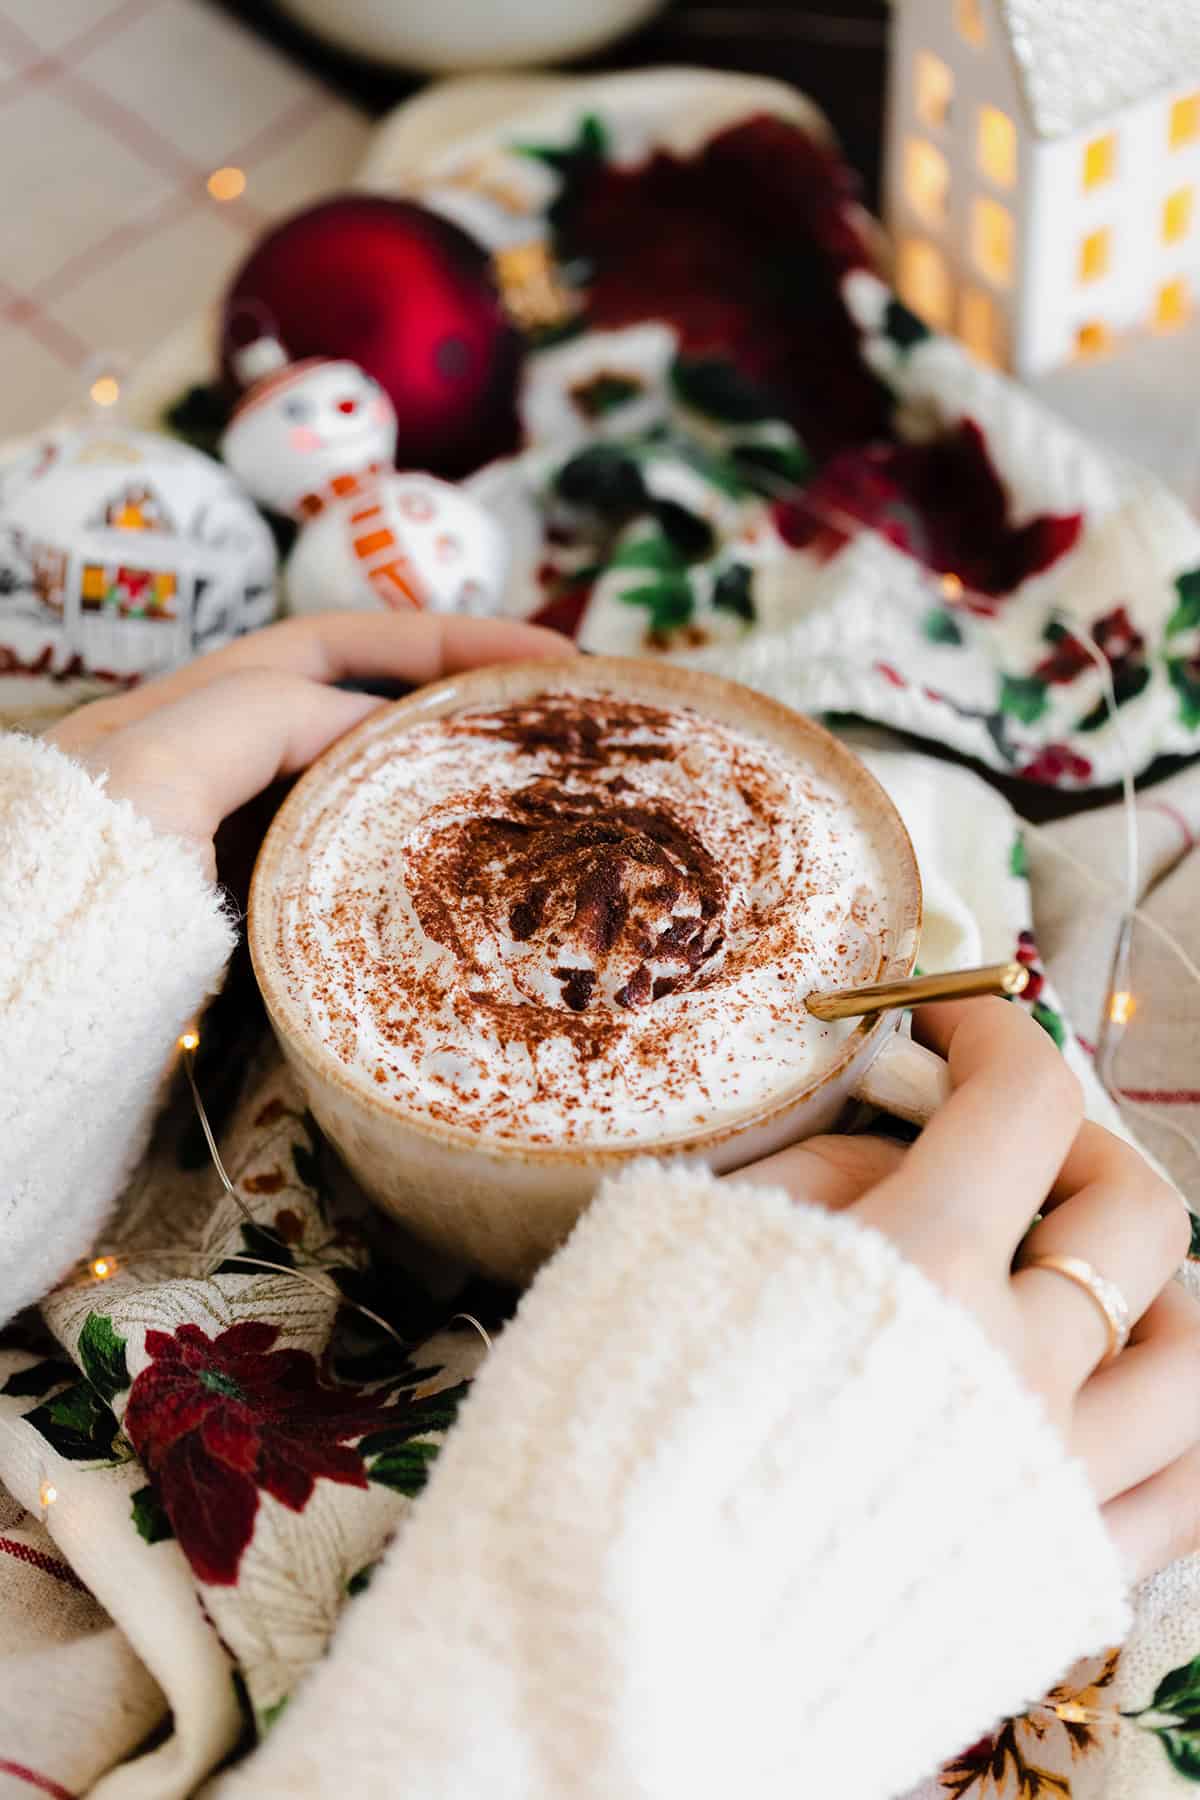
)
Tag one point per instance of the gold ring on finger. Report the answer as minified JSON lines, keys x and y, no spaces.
{"x":1106,"y":1294}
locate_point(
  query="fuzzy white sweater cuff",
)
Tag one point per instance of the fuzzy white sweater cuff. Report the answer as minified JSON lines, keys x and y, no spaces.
{"x":739,"y":1504}
{"x":110,"y":939}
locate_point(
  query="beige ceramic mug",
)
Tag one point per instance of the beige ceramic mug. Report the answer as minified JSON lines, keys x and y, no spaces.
{"x":504,"y":1206}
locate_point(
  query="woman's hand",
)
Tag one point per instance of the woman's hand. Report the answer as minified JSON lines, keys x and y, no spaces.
{"x":191,"y":747}
{"x":1009,"y":1143}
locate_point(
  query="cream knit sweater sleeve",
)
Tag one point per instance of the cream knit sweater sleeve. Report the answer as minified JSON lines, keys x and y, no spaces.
{"x":739,"y":1504}
{"x":110,"y":939}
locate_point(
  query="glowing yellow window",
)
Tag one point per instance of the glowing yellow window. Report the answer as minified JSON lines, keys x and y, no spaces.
{"x":996,"y":146}
{"x":923,"y":281}
{"x":1092,"y":339}
{"x":980,"y":326}
{"x":1177,"y":215}
{"x":934,"y":88}
{"x":992,"y":240}
{"x":926,"y":181}
{"x":1185,"y":121}
{"x":1100,"y":160}
{"x":968,"y":16}
{"x":1172,"y":305}
{"x":1093,"y":255}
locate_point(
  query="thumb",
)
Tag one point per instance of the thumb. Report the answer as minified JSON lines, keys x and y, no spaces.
{"x":191,"y":763}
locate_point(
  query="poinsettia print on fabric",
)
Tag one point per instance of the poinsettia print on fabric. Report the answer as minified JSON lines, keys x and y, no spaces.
{"x":942,"y":502}
{"x":217,"y":1420}
{"x":740,"y":247}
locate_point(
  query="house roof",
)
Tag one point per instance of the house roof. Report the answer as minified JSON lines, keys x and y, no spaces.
{"x":1080,"y":61}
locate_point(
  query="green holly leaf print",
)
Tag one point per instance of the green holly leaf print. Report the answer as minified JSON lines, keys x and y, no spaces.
{"x":717,"y":388}
{"x":1174,"y":1717}
{"x":656,"y":552}
{"x":941,"y":627}
{"x":787,"y":461}
{"x":150,"y":1520}
{"x":1179,"y":1691}
{"x":732,"y":592}
{"x":590,"y":143}
{"x":39,"y":1378}
{"x":1183,"y":1748}
{"x":1187,"y":613}
{"x":77,"y":1424}
{"x":102,"y":1354}
{"x":1018,"y":859}
{"x":670,"y":603}
{"x":399,"y":1457}
{"x":604,"y":479}
{"x":404,"y":1469}
{"x":1050,"y":1022}
{"x":903,"y":327}
{"x":437,"y":1412}
{"x":270,"y":1715}
{"x":1023,"y":697}
{"x":1185,"y":679}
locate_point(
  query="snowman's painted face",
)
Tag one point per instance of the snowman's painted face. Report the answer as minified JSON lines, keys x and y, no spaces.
{"x":306,"y":428}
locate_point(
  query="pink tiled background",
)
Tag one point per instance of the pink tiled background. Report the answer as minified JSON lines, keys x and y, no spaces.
{"x":113,"y":114}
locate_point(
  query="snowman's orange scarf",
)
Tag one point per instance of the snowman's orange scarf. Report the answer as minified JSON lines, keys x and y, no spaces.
{"x":338,"y":487}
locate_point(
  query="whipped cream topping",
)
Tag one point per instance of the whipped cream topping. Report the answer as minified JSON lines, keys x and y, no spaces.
{"x":578,"y":919}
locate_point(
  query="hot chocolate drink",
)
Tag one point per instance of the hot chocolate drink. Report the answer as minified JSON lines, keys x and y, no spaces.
{"x":576,"y":919}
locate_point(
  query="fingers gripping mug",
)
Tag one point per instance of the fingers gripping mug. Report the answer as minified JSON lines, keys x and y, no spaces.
{"x":540,"y":919}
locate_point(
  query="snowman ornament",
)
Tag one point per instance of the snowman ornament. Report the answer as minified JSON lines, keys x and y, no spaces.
{"x":315,"y":440}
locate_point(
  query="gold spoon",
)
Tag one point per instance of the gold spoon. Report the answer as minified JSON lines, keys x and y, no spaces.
{"x":957,"y":984}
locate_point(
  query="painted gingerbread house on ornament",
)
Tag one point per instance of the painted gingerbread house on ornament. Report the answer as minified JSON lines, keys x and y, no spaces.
{"x":123,"y":553}
{"x":1043,"y":172}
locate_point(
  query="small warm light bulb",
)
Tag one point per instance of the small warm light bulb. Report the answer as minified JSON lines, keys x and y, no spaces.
{"x":105,"y":391}
{"x":1122,"y":1007}
{"x":189,"y":1040}
{"x":47,"y":1494}
{"x":227,"y":183}
{"x":952,"y":586}
{"x":104,"y":1266}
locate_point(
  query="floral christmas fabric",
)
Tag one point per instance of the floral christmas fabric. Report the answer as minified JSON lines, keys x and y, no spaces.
{"x":741,"y":450}
{"x":206,"y":1397}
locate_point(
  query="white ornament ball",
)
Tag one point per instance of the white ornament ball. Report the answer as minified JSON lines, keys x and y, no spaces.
{"x":403,"y":540}
{"x":121,"y":554}
{"x":299,"y":432}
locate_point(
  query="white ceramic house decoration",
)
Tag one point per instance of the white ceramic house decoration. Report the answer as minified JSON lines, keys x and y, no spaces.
{"x":1043,"y":171}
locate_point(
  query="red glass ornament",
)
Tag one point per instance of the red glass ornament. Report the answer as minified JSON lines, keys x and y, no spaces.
{"x":409,"y":297}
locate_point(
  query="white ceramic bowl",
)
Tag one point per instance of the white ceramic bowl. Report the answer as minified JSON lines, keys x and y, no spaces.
{"x":469,"y":34}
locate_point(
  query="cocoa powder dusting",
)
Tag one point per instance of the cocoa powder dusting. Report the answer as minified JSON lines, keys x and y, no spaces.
{"x":566,"y":891}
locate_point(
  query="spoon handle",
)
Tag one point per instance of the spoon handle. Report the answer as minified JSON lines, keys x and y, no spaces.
{"x":957,"y":984}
